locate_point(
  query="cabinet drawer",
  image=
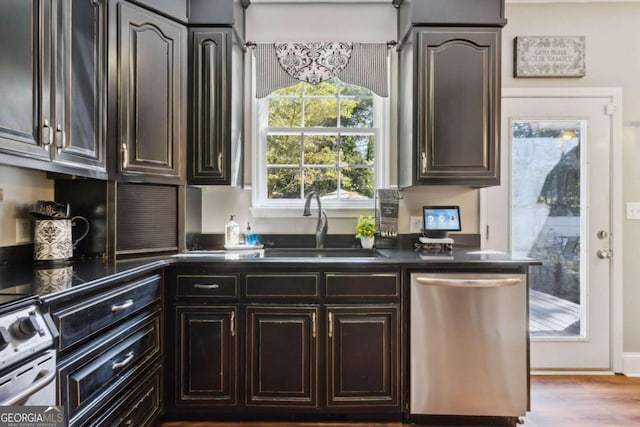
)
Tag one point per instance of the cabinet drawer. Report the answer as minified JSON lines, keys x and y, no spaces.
{"x":358,"y":284}
{"x":140,"y":407}
{"x":207,"y":286}
{"x":87,"y":317}
{"x":282,"y":285}
{"x":88,"y":374}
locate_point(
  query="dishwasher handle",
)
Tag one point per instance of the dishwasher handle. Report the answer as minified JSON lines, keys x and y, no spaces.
{"x":497,"y":282}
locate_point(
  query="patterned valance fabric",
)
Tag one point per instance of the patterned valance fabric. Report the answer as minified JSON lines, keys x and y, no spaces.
{"x":280,"y":65}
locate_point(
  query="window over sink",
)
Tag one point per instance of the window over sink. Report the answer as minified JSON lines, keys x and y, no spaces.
{"x":329,"y":137}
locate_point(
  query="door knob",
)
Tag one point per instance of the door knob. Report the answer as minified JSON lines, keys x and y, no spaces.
{"x":603,"y":254}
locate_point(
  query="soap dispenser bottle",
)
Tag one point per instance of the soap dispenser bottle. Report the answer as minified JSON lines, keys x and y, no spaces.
{"x":231,"y":232}
{"x":249,"y":237}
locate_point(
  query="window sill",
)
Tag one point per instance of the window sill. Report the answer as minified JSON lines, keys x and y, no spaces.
{"x":296,"y":212}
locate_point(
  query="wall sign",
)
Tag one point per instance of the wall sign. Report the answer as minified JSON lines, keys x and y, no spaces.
{"x":549,"y":56}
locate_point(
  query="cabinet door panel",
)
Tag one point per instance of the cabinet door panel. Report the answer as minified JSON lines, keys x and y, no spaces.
{"x":282,"y":356}
{"x":363,"y":350}
{"x":151,"y":93}
{"x":458,"y":106}
{"x":25,"y":69}
{"x":79,"y":133}
{"x":206,"y":355}
{"x":209,"y":155}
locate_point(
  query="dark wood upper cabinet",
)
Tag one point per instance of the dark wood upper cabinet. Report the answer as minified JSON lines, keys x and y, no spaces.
{"x":81,"y":84}
{"x":449,"y":91}
{"x":457,"y":106}
{"x":52,"y":81}
{"x":152,"y":95}
{"x":25,"y":67}
{"x":176,"y":9}
{"x":216,"y":61}
{"x":209,"y":133}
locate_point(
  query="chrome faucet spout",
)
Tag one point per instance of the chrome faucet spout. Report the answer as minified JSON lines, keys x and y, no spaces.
{"x":323,"y":221}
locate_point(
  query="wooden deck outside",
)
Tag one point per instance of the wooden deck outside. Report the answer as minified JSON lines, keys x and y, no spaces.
{"x":550,"y":315}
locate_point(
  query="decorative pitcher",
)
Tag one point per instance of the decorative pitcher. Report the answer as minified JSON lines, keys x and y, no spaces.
{"x":53,"y":240}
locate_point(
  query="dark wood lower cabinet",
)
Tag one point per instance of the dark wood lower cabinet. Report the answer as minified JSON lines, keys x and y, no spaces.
{"x":282,"y":356}
{"x":206,"y":355}
{"x":363,"y":346}
{"x":284,"y":344}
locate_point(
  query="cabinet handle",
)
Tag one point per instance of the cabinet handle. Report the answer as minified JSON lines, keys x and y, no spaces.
{"x":47,"y":131}
{"x":60,"y":142}
{"x":330,"y":325}
{"x":125,"y":155}
{"x":128,"y":423}
{"x":119,"y":307}
{"x":220,"y":161}
{"x":314,"y":328}
{"x":233,"y":323}
{"x":424,"y":162}
{"x":206,"y":286}
{"x":119,"y":365}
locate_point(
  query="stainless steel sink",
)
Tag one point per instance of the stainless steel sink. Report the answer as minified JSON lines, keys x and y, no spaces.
{"x":321,"y":253}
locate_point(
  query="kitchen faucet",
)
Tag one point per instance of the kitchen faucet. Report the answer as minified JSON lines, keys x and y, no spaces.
{"x":323,"y":225}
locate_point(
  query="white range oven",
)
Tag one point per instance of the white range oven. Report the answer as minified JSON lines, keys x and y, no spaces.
{"x":27,"y":357}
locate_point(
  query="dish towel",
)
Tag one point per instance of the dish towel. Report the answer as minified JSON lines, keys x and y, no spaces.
{"x":387,"y":209}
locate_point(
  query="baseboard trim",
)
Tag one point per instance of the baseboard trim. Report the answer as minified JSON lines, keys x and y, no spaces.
{"x":631,"y":364}
{"x":570,"y":372}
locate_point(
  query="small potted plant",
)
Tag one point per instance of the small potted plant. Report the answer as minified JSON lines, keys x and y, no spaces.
{"x":366,"y":231}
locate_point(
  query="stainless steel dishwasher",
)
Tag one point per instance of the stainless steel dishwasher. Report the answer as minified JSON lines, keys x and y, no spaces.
{"x":468,"y":343}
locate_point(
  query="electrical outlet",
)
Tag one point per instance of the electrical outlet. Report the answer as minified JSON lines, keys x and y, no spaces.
{"x":415,"y":224}
{"x":23,"y":230}
{"x":633,"y":210}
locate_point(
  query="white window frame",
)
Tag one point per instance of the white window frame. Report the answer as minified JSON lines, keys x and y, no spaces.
{"x":283,"y":208}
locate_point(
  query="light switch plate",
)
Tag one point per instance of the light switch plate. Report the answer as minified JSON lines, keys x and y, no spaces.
{"x":415,"y":224}
{"x":633,"y":210}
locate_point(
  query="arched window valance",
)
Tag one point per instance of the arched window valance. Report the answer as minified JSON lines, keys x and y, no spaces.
{"x":280,"y":65}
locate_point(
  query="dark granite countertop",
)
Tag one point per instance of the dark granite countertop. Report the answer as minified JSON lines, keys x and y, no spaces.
{"x":28,"y":280}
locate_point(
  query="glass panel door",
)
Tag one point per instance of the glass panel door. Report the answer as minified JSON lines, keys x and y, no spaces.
{"x":553,"y":205}
{"x":547,"y":221}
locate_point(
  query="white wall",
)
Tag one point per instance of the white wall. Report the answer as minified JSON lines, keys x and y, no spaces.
{"x":21,"y":187}
{"x":612,"y":60}
{"x":326,"y":22}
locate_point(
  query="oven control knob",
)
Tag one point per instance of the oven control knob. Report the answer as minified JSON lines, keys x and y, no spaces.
{"x":5,"y":338}
{"x":26,"y":327}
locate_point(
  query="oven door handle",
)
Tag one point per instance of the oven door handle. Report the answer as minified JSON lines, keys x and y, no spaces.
{"x":46,"y":376}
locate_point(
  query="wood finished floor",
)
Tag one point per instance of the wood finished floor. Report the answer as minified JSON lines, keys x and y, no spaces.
{"x":557,"y":401}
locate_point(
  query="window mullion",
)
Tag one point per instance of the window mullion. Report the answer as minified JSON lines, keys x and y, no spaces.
{"x":301,"y":163}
